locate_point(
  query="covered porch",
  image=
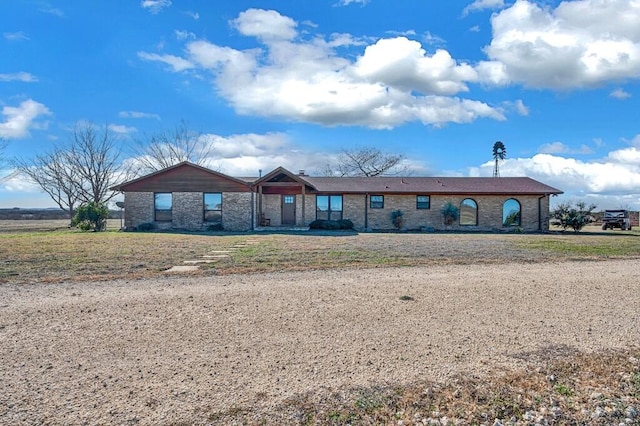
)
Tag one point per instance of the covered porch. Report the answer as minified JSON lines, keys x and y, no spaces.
{"x":284,"y":201}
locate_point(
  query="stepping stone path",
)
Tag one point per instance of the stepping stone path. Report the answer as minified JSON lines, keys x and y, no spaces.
{"x":214,"y":256}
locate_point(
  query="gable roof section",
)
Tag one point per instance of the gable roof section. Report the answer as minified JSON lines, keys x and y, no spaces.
{"x":280,"y":175}
{"x":431,"y":185}
{"x":185,"y":177}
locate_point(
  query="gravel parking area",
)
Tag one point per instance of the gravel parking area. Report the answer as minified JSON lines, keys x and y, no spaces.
{"x":177,"y":350}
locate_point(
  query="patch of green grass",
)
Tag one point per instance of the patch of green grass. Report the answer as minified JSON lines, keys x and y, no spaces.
{"x":585,"y":246}
{"x":563,"y":389}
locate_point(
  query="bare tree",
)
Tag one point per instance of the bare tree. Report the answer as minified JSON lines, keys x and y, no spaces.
{"x":95,"y":161}
{"x":4,"y":162}
{"x":3,"y":148}
{"x":81,"y":172}
{"x":168,"y":148}
{"x":366,"y":162}
{"x":54,"y":176}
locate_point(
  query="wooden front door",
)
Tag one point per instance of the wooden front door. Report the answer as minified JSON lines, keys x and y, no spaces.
{"x":288,"y":209}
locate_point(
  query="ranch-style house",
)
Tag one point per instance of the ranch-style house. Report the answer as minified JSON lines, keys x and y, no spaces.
{"x":190,"y":197}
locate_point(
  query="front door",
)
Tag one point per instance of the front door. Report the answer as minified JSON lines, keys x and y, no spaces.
{"x":288,"y":209}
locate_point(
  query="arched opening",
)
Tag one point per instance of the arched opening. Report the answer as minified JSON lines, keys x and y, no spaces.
{"x":468,"y":212}
{"x":511,"y":213}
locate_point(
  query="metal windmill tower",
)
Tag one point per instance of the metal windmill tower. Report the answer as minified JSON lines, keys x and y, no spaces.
{"x":499,"y":154}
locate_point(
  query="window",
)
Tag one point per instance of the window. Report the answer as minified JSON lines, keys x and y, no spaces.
{"x":511,"y":213}
{"x":163,"y":203}
{"x":376,"y":201}
{"x":329,"y":207}
{"x":468,"y":212}
{"x":213,"y":207}
{"x":423,"y":202}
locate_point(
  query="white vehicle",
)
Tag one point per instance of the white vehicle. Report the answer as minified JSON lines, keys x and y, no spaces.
{"x":616,"y":219}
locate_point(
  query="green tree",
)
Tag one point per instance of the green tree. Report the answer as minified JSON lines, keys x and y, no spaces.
{"x":450,"y":213}
{"x":91,"y":216}
{"x":565,"y":215}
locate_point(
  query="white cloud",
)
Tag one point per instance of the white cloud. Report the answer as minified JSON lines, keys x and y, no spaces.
{"x":177,"y":63}
{"x":194,"y":15}
{"x":19,"y":76}
{"x":51,"y":11}
{"x":404,"y":64}
{"x":348,"y":2}
{"x":265,"y":24}
{"x":138,"y":114}
{"x":620,"y":94}
{"x":560,"y":148}
{"x":122,"y":129}
{"x":582,"y":43}
{"x":18,"y":120}
{"x":518,"y":106}
{"x":17,"y":36}
{"x":483,"y":4}
{"x":610,"y":182}
{"x":184,"y":35}
{"x":155,"y":6}
{"x":303,"y":78}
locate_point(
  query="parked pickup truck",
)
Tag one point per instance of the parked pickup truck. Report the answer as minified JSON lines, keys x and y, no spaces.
{"x":616,"y":219}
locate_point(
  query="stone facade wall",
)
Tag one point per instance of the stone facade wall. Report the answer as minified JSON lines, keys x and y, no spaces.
{"x":237,"y":211}
{"x":138,"y":208}
{"x":188,"y":211}
{"x":354,"y":207}
{"x":272,"y":208}
{"x":489,"y":213}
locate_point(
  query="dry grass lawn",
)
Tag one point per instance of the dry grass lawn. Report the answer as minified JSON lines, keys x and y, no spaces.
{"x":556,"y":384}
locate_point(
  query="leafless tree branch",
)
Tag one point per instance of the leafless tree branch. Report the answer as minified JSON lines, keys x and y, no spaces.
{"x":366,"y":161}
{"x":168,"y":148}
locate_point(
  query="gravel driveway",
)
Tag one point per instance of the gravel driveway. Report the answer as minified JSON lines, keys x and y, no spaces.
{"x":179,"y":349}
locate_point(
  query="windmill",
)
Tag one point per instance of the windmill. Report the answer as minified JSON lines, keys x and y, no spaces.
{"x":499,"y":154}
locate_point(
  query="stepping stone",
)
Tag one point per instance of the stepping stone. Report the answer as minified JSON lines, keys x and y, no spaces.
{"x":199,"y":261}
{"x":221,"y":251}
{"x":182,"y":268}
{"x":215,"y":256}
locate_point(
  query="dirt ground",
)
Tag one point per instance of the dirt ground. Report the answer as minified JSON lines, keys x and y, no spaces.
{"x":178,"y":350}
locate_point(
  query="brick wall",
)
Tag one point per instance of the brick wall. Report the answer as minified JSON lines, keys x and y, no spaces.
{"x":138,"y":208}
{"x":188,"y":211}
{"x":489,"y":213}
{"x":237,"y":211}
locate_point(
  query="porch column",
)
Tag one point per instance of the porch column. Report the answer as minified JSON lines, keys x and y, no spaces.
{"x":303,"y":206}
{"x":260,"y":212}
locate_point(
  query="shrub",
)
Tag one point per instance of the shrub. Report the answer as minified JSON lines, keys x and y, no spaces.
{"x":215,"y":227}
{"x":146,"y":227}
{"x":397,"y":219}
{"x":91,"y":217}
{"x":345,"y":224}
{"x":331,"y":225}
{"x":567,"y":216}
{"x":450,"y":213}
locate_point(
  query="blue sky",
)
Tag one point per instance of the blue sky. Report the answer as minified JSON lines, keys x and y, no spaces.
{"x":290,"y":83}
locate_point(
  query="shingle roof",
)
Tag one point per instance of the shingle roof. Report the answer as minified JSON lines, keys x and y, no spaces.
{"x":430,"y":185}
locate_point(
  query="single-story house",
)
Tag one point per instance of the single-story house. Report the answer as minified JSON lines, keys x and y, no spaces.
{"x":190,"y":197}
